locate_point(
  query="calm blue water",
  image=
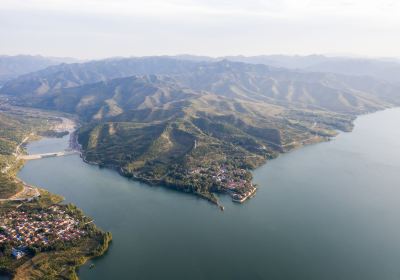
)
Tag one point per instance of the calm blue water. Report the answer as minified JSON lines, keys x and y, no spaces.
{"x":327,"y":211}
{"x":48,"y":145}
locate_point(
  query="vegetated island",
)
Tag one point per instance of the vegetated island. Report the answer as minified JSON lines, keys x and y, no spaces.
{"x":40,"y":238}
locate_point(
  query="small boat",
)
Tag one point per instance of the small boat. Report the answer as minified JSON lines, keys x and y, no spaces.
{"x":91,"y":266}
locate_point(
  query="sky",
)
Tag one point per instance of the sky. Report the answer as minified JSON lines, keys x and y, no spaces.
{"x":90,"y":29}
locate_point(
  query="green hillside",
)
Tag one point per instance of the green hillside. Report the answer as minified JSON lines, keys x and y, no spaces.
{"x":14,"y":127}
{"x":198,"y":126}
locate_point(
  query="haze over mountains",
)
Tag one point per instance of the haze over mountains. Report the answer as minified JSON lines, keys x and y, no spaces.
{"x":157,"y":118}
{"x":384,"y":69}
{"x":248,"y":82}
{"x":14,"y":66}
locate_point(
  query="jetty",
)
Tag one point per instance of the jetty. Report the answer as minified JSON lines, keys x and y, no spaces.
{"x":240,"y":198}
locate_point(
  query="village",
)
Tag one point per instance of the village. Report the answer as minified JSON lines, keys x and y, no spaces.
{"x":234,"y":181}
{"x":43,"y":228}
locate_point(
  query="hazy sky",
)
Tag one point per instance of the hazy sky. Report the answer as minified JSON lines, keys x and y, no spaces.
{"x":103,"y":28}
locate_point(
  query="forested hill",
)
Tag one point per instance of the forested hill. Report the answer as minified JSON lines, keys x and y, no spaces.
{"x":176,"y":122}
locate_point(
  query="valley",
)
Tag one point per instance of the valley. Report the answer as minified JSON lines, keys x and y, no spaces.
{"x":198,"y":127}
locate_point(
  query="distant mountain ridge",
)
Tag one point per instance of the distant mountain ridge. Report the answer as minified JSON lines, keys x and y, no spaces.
{"x":383,"y":69}
{"x":14,"y":66}
{"x":251,"y":82}
{"x":77,"y":74}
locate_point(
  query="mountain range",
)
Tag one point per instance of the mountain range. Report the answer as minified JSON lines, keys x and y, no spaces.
{"x":162,"y":119}
{"x":386,"y":69}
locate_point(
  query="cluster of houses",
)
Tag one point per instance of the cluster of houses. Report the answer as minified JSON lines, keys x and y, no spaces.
{"x":22,"y":229}
{"x":231,"y":180}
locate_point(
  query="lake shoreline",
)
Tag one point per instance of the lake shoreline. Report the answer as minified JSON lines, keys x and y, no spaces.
{"x":7,"y":206}
{"x":290,"y":215}
{"x":214,"y":199}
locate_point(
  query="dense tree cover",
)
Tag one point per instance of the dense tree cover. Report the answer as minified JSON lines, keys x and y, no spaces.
{"x":8,"y":186}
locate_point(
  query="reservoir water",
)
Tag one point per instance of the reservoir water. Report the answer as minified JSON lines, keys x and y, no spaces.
{"x":326,"y":211}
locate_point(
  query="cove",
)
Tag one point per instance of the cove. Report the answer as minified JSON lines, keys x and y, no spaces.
{"x":326,"y":211}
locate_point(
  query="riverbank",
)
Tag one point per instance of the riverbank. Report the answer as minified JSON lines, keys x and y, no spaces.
{"x":41,"y":253}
